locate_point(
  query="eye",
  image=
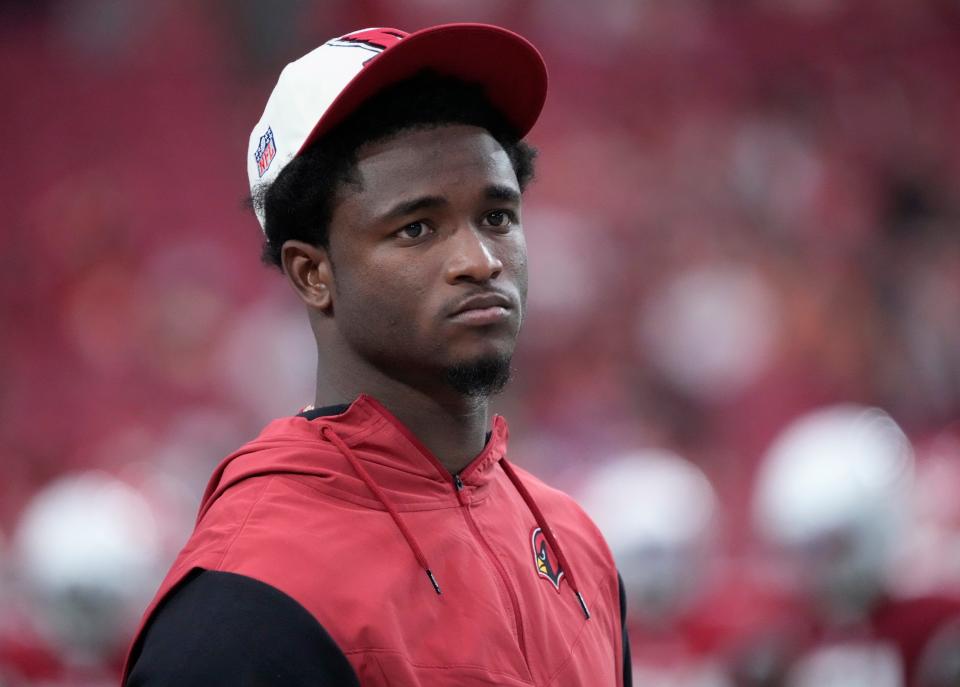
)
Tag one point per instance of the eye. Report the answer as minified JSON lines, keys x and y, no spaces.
{"x":414,"y":230}
{"x":500,"y":219}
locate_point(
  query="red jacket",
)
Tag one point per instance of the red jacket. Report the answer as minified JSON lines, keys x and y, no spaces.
{"x":355,"y":519}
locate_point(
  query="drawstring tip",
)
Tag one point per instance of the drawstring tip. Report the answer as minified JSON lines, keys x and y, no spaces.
{"x":433,"y":581}
{"x":583,"y":605}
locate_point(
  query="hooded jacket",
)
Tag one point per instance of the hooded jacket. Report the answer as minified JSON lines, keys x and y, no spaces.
{"x":487,"y":577}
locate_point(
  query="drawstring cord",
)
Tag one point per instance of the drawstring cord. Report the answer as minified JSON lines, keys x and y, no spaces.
{"x":378,"y":492}
{"x":341,"y":445}
{"x":547,"y":531}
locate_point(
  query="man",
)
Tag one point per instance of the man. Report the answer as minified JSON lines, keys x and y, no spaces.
{"x":833,"y":500}
{"x":381,"y":536}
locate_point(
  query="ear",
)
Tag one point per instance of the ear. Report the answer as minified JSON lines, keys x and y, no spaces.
{"x":309,"y":271}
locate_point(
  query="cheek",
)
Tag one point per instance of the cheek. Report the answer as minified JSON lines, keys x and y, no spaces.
{"x":383,"y":305}
{"x":517,"y":261}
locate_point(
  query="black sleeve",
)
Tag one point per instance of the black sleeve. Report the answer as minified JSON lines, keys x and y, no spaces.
{"x":220,"y":629}
{"x":627,"y":663}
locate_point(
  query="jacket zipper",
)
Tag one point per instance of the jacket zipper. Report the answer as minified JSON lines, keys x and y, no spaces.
{"x":458,"y":483}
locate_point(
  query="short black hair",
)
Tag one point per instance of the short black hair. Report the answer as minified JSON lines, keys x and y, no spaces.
{"x":299,"y":203}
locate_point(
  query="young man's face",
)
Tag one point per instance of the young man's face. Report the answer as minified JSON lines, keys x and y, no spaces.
{"x":429,"y":258}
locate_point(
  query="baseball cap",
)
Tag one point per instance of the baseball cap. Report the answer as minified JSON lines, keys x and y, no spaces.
{"x":322,"y":88}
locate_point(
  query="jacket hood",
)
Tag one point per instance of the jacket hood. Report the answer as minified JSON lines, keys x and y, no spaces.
{"x":411,"y":476}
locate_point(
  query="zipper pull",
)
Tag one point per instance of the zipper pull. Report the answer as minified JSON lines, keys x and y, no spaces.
{"x":457,"y":482}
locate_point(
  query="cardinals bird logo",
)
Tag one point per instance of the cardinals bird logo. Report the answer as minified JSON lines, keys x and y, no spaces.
{"x":372,"y":40}
{"x":543,"y":559}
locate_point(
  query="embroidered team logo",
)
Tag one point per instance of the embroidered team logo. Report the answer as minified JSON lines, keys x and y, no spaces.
{"x":373,"y":40}
{"x":266,"y":151}
{"x":543,"y":559}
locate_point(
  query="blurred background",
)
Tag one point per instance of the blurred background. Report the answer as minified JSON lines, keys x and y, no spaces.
{"x":742,"y":349}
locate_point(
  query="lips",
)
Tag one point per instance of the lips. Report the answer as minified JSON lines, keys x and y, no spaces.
{"x":482,"y":301}
{"x":482,"y":309}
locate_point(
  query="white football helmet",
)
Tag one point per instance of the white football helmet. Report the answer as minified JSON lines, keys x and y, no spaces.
{"x":656,"y":511}
{"x":87,"y":550}
{"x":833,"y":494}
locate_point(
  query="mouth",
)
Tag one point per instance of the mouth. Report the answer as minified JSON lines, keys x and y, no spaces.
{"x":482,"y":316}
{"x":482,"y":309}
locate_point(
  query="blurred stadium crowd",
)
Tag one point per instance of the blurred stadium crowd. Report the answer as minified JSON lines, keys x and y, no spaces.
{"x":743,"y":239}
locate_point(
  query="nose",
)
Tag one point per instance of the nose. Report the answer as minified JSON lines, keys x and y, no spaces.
{"x":472,"y":258}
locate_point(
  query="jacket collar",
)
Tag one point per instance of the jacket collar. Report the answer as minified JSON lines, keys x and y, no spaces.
{"x":396,"y":460}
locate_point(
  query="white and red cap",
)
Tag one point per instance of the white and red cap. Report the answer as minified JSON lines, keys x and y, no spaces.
{"x":322,"y":88}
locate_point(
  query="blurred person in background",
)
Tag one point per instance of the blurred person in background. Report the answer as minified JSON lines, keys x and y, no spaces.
{"x":380,"y":536}
{"x":833,"y":501}
{"x":86,"y":550}
{"x":658,"y":513}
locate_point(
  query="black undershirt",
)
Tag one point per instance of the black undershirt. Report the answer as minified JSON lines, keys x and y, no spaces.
{"x":220,"y":629}
{"x":325,"y":411}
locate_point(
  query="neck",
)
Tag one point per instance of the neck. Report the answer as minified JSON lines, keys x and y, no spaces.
{"x":452,"y":426}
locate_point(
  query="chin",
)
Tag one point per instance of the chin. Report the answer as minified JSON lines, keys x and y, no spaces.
{"x":480,"y":376}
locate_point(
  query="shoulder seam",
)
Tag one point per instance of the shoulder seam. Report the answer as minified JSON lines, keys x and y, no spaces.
{"x":243,"y":524}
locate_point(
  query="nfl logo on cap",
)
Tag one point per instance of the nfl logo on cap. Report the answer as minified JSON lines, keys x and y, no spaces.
{"x":266,"y":151}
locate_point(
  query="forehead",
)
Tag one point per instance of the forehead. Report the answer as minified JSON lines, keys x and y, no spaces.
{"x":441,"y":161}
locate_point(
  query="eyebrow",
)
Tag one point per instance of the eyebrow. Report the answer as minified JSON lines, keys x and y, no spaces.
{"x":493,"y":192}
{"x":501,"y":192}
{"x":408,"y":207}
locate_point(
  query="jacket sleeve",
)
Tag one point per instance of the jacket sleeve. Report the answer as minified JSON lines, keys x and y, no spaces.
{"x":220,"y":629}
{"x":627,"y":662}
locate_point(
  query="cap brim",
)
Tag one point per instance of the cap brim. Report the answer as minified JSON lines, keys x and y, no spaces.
{"x":509,"y":67}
